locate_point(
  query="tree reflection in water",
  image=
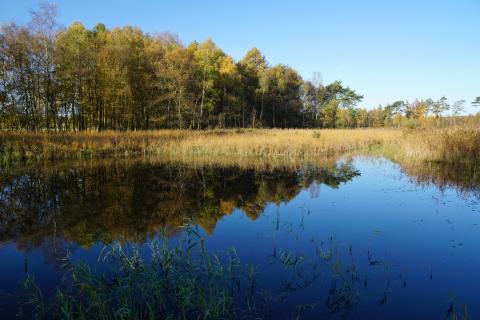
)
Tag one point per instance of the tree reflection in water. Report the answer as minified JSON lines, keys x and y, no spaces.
{"x":131,"y":200}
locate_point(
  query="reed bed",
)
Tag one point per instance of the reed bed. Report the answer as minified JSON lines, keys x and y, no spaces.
{"x":293,"y":144}
{"x":455,"y":144}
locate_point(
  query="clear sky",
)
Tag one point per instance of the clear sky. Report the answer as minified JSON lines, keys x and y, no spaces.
{"x":385,"y":50}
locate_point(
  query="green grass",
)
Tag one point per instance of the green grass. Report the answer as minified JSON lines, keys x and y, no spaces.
{"x":179,"y":282}
{"x":185,"y":281}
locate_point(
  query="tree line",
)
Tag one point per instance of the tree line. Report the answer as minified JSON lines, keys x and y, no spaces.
{"x":74,"y":78}
{"x":417,"y":113}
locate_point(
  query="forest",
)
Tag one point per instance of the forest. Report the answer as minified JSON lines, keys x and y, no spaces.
{"x":58,"y":79}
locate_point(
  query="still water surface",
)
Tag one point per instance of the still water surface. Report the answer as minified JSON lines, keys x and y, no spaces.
{"x":409,"y":235}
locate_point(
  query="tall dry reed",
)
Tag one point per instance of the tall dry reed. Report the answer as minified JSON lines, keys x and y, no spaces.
{"x":456,"y":144}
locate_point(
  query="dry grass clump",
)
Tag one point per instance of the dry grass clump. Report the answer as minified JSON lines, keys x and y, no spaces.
{"x":459,"y":144}
{"x":450,"y":145}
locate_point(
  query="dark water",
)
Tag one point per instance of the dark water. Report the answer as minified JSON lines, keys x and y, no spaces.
{"x":404,"y":241}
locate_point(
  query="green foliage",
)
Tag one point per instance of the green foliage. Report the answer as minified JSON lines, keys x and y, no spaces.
{"x":457,"y":107}
{"x":411,"y":124}
{"x":440,"y":106}
{"x":476,"y":102}
{"x":329,"y":113}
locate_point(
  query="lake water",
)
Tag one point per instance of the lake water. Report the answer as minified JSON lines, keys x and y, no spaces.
{"x":404,"y":242}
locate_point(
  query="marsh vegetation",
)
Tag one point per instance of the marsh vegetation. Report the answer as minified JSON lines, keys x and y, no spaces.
{"x":450,"y":145}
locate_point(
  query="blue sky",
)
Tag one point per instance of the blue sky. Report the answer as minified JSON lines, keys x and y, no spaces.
{"x":385,"y":50}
